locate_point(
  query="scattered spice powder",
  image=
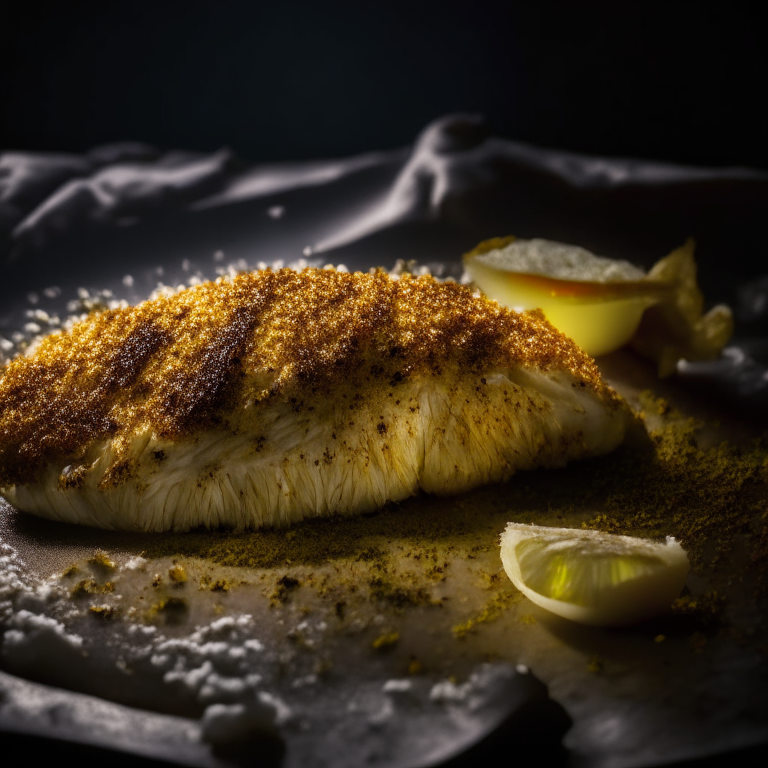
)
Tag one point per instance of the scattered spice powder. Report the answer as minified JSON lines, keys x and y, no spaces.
{"x":172,"y":609}
{"x":714,"y":500}
{"x":91,"y":587}
{"x":177,"y":574}
{"x":101,"y":560}
{"x":385,"y":641}
{"x":666,"y":485}
{"x":491,"y":611}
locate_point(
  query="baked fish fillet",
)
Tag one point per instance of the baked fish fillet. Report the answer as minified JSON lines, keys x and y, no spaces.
{"x":274,"y":396}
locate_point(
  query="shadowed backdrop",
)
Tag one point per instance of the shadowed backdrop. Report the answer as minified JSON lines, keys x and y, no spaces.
{"x":300,"y":79}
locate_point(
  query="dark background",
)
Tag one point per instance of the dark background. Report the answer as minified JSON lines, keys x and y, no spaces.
{"x":296,"y":80}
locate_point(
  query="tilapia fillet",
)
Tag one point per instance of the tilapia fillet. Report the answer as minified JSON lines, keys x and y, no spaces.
{"x":274,"y":396}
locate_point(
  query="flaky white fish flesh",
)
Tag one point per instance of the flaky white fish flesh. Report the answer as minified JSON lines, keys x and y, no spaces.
{"x":275,"y":396}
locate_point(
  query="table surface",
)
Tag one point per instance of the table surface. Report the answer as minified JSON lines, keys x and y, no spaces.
{"x":403,"y":643}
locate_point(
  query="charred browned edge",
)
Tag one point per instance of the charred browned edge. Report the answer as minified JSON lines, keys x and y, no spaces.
{"x":176,"y":364}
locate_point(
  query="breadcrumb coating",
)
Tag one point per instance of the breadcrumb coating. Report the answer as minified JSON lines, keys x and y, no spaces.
{"x":181,"y":364}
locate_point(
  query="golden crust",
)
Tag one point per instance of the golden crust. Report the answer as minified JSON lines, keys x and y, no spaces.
{"x":179,"y":364}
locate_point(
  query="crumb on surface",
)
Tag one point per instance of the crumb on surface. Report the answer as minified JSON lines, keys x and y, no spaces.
{"x":387,"y":640}
{"x":177,"y":574}
{"x":101,"y":560}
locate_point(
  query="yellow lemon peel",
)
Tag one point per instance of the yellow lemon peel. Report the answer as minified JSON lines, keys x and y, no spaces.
{"x":603,"y":304}
{"x":593,"y":577}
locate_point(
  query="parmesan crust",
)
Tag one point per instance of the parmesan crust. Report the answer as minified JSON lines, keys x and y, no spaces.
{"x":278,"y":365}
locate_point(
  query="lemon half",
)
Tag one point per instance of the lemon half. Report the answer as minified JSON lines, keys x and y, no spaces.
{"x":593,"y":577}
{"x":604,"y":303}
{"x":598,"y":302}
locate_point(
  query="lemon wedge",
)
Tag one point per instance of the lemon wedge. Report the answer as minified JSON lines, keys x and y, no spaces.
{"x":603,"y":304}
{"x":592,"y":577}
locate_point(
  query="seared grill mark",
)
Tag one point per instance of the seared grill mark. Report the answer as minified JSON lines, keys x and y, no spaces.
{"x":55,"y":405}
